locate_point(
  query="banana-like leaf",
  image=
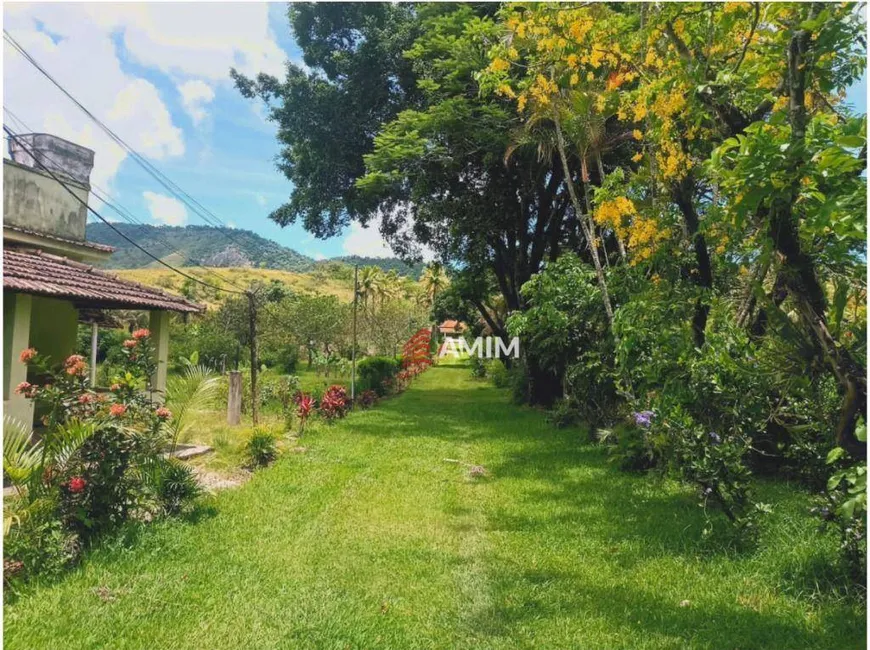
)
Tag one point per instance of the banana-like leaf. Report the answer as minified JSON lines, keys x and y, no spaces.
{"x":193,"y":390}
{"x":21,"y":456}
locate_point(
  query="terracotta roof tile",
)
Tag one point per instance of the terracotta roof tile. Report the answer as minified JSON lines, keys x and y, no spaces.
{"x":65,"y":240}
{"x":50,"y":275}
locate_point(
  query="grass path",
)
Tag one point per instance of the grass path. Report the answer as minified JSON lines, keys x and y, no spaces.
{"x":371,"y":540}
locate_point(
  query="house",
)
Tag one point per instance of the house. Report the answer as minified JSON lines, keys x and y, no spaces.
{"x":452,"y":328}
{"x":49,"y":282}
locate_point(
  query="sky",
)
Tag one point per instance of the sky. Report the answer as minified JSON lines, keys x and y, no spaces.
{"x":158,"y":75}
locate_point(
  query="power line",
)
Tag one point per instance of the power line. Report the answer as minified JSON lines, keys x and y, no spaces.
{"x":128,"y":216}
{"x":109,"y":223}
{"x":195,"y":206}
{"x":205,"y":214}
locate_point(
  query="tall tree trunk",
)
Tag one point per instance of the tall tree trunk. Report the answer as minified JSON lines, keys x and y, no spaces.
{"x":584,"y":224}
{"x":800,"y":273}
{"x":683,"y":197}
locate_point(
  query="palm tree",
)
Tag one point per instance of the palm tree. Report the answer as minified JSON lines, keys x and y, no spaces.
{"x":370,"y":282}
{"x":434,"y":279}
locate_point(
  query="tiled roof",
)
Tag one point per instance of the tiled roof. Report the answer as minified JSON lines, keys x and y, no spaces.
{"x":51,"y":275}
{"x":65,"y":240}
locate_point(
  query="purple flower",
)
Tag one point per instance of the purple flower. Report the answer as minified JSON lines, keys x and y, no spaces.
{"x":714,"y":437}
{"x":643,"y":418}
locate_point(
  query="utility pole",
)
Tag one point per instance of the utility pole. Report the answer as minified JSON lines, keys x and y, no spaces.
{"x":252,"y":321}
{"x":353,"y":345}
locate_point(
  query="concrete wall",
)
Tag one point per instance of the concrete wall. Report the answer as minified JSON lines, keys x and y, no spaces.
{"x":35,"y":201}
{"x":16,"y":337}
{"x":53,"y":327}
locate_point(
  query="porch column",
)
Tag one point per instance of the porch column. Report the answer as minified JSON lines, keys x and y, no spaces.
{"x":16,"y":337}
{"x":159,"y":326}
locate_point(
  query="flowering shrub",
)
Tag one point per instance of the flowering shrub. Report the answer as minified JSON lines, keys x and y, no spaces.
{"x":334,"y":404}
{"x":367,"y":399}
{"x":98,"y":462}
{"x":304,"y":407}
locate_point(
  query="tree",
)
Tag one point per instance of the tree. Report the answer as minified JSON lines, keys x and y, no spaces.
{"x":314,"y":322}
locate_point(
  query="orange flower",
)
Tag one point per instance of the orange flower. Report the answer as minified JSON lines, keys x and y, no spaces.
{"x":141,"y":334}
{"x":117,"y":410}
{"x":27,"y":355}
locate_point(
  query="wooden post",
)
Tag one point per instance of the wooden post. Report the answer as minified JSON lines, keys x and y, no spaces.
{"x":252,"y":315}
{"x":353,"y":346}
{"x":94,"y":330}
{"x":234,"y":402}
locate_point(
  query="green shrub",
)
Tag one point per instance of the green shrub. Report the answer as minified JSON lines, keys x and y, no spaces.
{"x":478,"y":367}
{"x":630,"y":447}
{"x":261,"y":448}
{"x":38,"y":544}
{"x":498,"y":374}
{"x":175,"y":486}
{"x":564,"y":414}
{"x":375,"y":373}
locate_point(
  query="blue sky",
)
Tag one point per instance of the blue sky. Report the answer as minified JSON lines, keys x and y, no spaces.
{"x":157,"y":74}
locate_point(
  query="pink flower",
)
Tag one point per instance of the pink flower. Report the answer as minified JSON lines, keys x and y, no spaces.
{"x":75,"y":365}
{"x":27,"y":355}
{"x":86,"y":398}
{"x":141,"y":334}
{"x":163,"y":413}
{"x":117,"y":410}
{"x":130,"y":344}
{"x":25,"y":388}
{"x":77,"y":484}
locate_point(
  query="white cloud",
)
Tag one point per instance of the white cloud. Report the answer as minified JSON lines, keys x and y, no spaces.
{"x":261,"y":199}
{"x":82,"y":56}
{"x":366,"y":242}
{"x":165,"y":209}
{"x":195,"y":44}
{"x":196,"y":39}
{"x":196,"y":95}
{"x":315,"y":255}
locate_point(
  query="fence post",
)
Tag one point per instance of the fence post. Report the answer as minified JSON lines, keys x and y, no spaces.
{"x":234,"y":402}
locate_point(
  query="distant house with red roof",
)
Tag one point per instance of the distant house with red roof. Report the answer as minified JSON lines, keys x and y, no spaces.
{"x":452,"y":328}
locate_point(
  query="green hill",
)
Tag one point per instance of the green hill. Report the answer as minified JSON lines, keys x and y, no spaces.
{"x":220,"y":248}
{"x":203,"y":245}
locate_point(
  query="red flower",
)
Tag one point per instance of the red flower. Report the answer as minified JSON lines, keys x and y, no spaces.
{"x":163,"y":413}
{"x":130,"y":344}
{"x":77,"y":484}
{"x":27,"y":355}
{"x":117,"y":410}
{"x":141,"y":334}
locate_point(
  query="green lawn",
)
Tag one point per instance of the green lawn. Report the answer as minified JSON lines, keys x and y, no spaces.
{"x":371,"y":539}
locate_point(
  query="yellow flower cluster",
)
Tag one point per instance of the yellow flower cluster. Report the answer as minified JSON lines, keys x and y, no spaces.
{"x":542,"y":89}
{"x":642,"y":234}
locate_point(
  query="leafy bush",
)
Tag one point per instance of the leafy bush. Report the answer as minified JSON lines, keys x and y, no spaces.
{"x":630,"y":447}
{"x":367,"y":399}
{"x":261,"y":448}
{"x":478,"y":367}
{"x":565,"y":414}
{"x":498,"y":374}
{"x":377,"y":373}
{"x":844,"y":506}
{"x":39,"y":544}
{"x":90,"y":470}
{"x":334,"y":404}
{"x":175,"y":485}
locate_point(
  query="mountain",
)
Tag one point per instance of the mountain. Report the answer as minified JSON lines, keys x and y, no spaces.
{"x":218,"y":247}
{"x":203,"y":245}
